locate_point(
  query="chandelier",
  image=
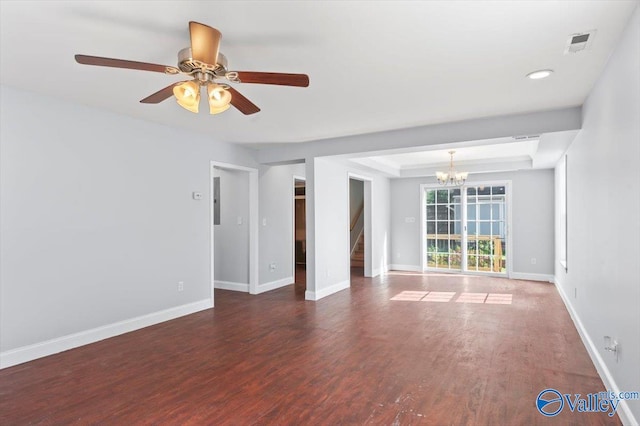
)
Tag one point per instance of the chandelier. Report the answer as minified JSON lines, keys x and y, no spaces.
{"x":451,"y":177}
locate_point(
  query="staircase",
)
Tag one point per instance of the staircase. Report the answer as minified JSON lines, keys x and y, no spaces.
{"x":357,"y":257}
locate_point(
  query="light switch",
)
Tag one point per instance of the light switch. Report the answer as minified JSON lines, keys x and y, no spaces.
{"x":197,"y":195}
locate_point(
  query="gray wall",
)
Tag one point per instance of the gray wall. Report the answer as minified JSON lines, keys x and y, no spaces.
{"x":97,"y":219}
{"x":532,"y":220}
{"x":231,"y":250}
{"x":276,"y":208}
{"x":602,"y":284}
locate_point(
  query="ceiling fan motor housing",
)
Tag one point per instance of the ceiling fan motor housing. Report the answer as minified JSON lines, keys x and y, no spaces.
{"x":187,"y":64}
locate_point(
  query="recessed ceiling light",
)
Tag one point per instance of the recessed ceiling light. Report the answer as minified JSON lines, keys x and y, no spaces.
{"x":537,"y":75}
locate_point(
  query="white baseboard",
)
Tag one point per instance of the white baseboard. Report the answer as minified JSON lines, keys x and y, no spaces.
{"x":272,"y":285}
{"x":410,"y":268}
{"x":64,"y":343}
{"x":624,"y":412}
{"x":531,"y":277}
{"x":230,"y":285}
{"x":324,"y":292}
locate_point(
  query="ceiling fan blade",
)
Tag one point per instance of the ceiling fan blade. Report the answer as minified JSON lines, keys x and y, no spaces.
{"x":160,"y":95}
{"x":121,"y":63}
{"x":241,"y":103}
{"x":205,"y":42}
{"x":282,"y":79}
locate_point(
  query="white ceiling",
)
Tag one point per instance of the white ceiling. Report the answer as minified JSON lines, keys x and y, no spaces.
{"x":373,"y":66}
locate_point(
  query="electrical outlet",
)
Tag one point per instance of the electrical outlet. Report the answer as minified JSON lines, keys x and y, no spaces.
{"x":272,"y":267}
{"x":533,"y":260}
{"x":180,"y":285}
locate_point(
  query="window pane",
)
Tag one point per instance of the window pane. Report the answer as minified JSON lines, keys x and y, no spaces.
{"x":456,"y":212}
{"x":442,"y":227}
{"x":457,"y":227}
{"x":431,"y":260}
{"x":496,"y":211}
{"x":499,"y":190}
{"x":484,"y":263}
{"x":484,"y":190}
{"x":472,"y":262}
{"x":472,"y":247}
{"x":443,"y":246}
{"x":455,"y":261}
{"x":471,"y":191}
{"x":431,"y":245}
{"x":431,"y":196}
{"x":455,"y":195}
{"x":485,"y":211}
{"x":431,"y":227}
{"x":443,"y":196}
{"x":497,"y":229}
{"x":485,"y":228}
{"x":431,"y":212}
{"x":442,"y":212}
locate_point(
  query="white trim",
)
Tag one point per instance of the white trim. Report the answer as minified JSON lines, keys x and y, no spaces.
{"x":531,"y":277}
{"x":272,"y":285}
{"x":410,"y":268}
{"x":229,"y":285}
{"x":324,"y":292}
{"x":254,"y":222}
{"x":624,"y":412}
{"x":64,"y":343}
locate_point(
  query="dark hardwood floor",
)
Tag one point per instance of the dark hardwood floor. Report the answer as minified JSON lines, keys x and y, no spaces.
{"x":355,"y":357}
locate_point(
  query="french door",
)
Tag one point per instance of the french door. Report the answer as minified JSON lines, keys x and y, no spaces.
{"x":465,"y":228}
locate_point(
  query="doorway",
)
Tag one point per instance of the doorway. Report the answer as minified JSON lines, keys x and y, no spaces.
{"x":356,"y":227}
{"x":234,"y":227}
{"x":299,"y":234}
{"x":465,"y":228}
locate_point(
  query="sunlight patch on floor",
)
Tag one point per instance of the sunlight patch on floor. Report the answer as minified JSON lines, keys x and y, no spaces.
{"x":447,"y":296}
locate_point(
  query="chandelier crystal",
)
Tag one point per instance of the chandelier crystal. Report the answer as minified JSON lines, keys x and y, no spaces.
{"x":452,"y":177}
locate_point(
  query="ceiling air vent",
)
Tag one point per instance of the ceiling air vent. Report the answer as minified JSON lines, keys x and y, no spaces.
{"x":579,"y":42}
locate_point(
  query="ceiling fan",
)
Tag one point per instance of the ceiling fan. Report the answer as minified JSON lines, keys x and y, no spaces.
{"x":207,"y":67}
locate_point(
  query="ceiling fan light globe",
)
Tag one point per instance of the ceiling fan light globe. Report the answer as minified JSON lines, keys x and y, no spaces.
{"x":218,"y":97}
{"x":187,"y":95}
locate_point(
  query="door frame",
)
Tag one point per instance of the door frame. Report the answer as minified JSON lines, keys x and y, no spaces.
{"x":253,"y":223}
{"x":509,"y":243}
{"x":368,"y":222}
{"x":293,"y":221}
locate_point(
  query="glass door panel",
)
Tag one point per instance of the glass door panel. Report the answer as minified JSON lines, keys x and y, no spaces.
{"x":443,"y":226}
{"x":482,"y":248}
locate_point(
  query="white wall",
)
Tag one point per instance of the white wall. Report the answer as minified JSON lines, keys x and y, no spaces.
{"x":231,"y":250}
{"x":97,"y":218}
{"x":330,"y":214}
{"x":532,"y":221}
{"x":276,"y":236}
{"x":602,"y":285}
